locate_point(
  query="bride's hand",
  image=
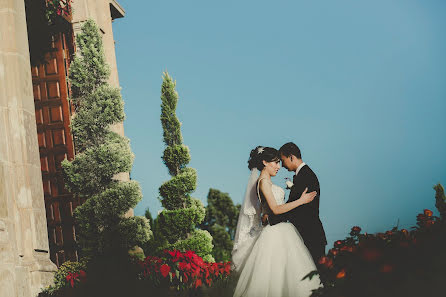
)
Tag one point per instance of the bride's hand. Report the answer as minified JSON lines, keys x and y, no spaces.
{"x":307,"y":197}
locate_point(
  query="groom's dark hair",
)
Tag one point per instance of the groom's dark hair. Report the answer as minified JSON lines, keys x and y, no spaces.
{"x":289,"y":149}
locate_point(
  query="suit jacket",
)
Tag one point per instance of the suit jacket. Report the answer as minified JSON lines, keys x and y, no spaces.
{"x":305,"y":217}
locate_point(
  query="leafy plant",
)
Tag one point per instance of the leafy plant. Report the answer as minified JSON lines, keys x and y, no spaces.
{"x":101,"y":154}
{"x":397,"y":262}
{"x":181,"y":214}
{"x":183,"y":270}
{"x":221,"y":222}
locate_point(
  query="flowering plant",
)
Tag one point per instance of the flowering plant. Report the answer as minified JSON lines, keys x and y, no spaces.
{"x":288,"y":183}
{"x":397,"y":262}
{"x":365,"y":264}
{"x":182,"y":270}
{"x":56,"y":8}
{"x":73,"y":277}
{"x":68,"y":276}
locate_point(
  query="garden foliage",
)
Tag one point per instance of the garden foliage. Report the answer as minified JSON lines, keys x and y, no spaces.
{"x":221,"y":222}
{"x":397,"y":262}
{"x":101,"y":154}
{"x":182,"y":270}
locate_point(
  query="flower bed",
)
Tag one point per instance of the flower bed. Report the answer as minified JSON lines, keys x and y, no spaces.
{"x":182,"y":270}
{"x":393,"y":263}
{"x":175,"y":273}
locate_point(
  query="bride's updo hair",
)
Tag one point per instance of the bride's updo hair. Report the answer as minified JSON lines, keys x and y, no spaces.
{"x":262,"y":153}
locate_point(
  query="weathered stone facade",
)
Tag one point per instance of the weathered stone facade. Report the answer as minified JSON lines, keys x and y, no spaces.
{"x":25,"y":267}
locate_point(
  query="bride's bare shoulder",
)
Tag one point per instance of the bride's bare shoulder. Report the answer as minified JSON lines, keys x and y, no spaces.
{"x":264,"y":182}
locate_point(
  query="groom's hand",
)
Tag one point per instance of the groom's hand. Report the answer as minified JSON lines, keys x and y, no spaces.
{"x":265,"y":219}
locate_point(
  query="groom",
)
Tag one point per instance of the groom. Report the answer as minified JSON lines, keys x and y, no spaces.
{"x":305,"y":217}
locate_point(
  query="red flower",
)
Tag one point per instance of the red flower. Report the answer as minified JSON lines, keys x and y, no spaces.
{"x":176,"y":255}
{"x":328,"y":262}
{"x":341,"y":274}
{"x":71,"y":277}
{"x":227,"y":268}
{"x":185,"y":278}
{"x":338,"y":243}
{"x":333,"y":252}
{"x":198,"y":283}
{"x":428,"y":212}
{"x":184,"y":266}
{"x":189,"y":254}
{"x":165,"y":269}
{"x":356,"y":229}
{"x":196,"y":272}
{"x":197,"y":260}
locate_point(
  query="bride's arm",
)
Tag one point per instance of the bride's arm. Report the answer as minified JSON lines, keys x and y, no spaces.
{"x":266,"y":189}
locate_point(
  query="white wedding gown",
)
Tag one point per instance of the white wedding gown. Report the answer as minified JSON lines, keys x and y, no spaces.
{"x":277,"y":263}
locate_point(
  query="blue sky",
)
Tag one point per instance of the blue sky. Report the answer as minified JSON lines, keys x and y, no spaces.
{"x":359,"y":86}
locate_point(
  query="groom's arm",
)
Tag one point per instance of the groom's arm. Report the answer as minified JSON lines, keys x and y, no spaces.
{"x":313,"y":185}
{"x":275,"y":219}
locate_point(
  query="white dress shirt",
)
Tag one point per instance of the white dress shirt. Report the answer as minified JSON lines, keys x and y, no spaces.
{"x":300,"y":167}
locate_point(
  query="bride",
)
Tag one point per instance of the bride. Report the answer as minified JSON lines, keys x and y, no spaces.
{"x":271,"y":260}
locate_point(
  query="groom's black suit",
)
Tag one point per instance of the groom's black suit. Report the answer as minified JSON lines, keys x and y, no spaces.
{"x":305,"y":217}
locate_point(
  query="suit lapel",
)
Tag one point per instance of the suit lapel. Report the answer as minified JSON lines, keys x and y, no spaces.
{"x":296,"y":179}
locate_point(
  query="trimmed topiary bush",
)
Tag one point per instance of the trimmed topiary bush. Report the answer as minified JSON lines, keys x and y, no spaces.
{"x":101,"y":154}
{"x":176,"y":224}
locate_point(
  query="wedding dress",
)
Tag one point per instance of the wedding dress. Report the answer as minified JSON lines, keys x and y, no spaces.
{"x":277,"y":261}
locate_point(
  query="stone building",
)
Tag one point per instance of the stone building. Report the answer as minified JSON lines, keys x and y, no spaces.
{"x":37,"y":231}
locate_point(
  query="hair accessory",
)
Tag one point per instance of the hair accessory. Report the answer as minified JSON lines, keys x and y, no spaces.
{"x":260,"y":150}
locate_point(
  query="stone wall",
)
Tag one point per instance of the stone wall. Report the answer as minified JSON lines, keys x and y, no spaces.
{"x":24,"y":259}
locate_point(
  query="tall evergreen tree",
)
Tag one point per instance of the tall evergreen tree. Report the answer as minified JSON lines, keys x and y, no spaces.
{"x":101,"y":154}
{"x":221,"y":221}
{"x":148,"y":216}
{"x":182,"y":213}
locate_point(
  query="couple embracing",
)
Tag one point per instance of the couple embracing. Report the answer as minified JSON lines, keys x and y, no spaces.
{"x":272,"y":260}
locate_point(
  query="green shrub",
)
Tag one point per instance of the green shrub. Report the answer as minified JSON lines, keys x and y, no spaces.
{"x":101,"y":154}
{"x":175,"y":225}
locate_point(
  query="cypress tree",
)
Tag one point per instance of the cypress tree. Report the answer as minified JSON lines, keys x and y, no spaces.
{"x":149,"y":217}
{"x":177,"y":222}
{"x":100,"y":155}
